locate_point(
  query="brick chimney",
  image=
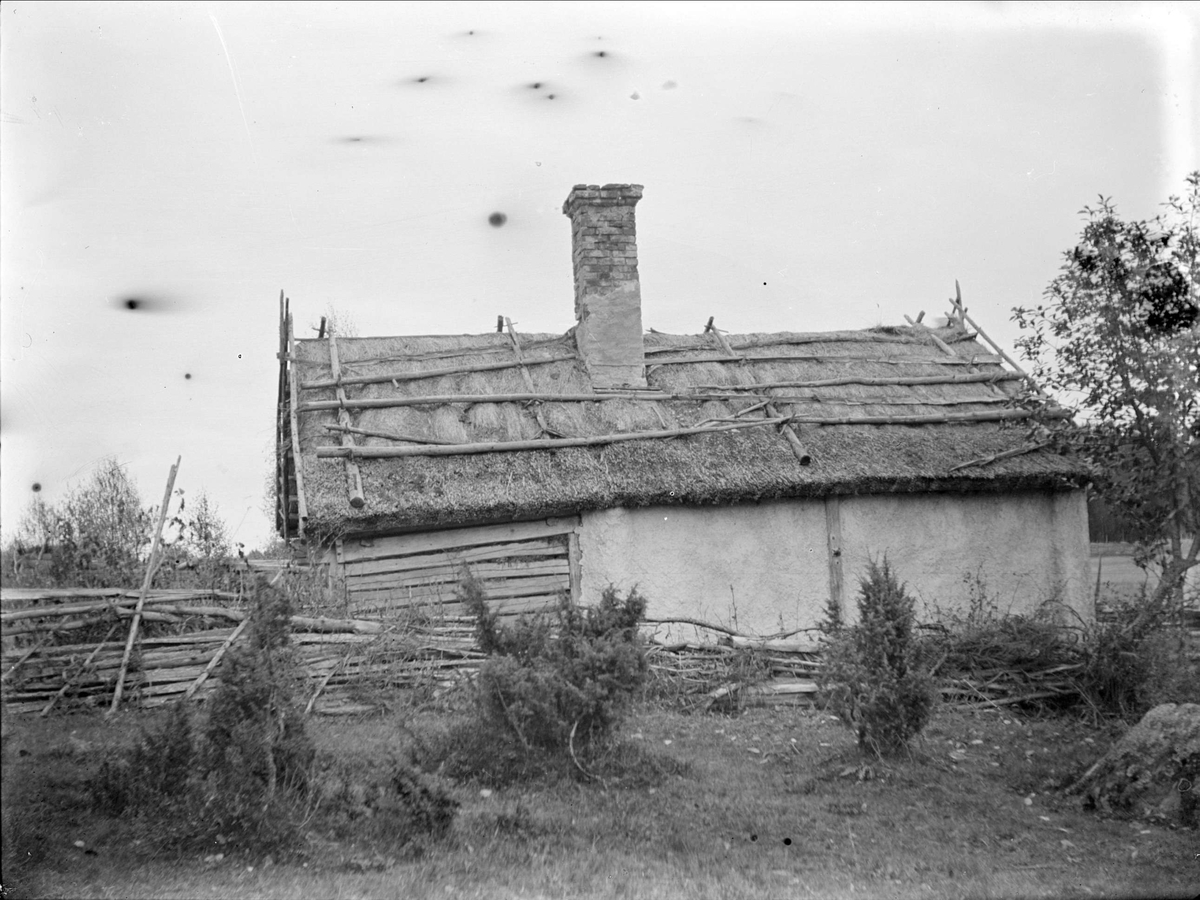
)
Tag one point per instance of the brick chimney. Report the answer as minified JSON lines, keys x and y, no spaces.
{"x":608,"y":295}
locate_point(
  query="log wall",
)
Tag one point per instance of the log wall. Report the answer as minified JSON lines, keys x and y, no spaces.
{"x":523,"y":567}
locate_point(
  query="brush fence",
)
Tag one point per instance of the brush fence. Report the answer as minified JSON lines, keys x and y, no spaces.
{"x":63,"y":648}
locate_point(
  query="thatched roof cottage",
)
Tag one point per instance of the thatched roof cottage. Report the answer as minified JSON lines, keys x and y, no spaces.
{"x":734,"y":478}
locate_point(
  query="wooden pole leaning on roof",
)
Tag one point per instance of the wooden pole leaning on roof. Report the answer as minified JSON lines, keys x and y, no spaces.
{"x":353,"y":476}
{"x":959,"y":311}
{"x":798,"y":448}
{"x":537,"y":409}
{"x":151,"y":568}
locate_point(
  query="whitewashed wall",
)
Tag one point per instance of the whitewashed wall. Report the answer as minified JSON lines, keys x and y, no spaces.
{"x":766,"y":567}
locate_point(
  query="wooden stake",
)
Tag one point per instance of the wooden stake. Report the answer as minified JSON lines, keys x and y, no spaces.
{"x":353,"y":476}
{"x":151,"y":566}
{"x":216,"y":660}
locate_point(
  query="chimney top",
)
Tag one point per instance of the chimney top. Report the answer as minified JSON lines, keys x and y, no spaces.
{"x":608,"y":294}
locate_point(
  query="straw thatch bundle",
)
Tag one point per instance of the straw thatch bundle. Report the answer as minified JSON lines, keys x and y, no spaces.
{"x":883,"y":410}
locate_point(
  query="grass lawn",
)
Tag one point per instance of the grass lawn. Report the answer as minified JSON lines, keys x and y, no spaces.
{"x":769,"y":803}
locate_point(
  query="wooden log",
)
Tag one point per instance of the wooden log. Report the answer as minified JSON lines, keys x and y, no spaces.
{"x":544,"y":444}
{"x":353,"y":476}
{"x":151,"y":566}
{"x":216,"y":660}
{"x":386,"y":377}
{"x":777,"y":645}
{"x":106,"y":600}
{"x":327,"y":625}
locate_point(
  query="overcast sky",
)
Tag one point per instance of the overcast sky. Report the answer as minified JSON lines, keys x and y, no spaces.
{"x":806,"y":167}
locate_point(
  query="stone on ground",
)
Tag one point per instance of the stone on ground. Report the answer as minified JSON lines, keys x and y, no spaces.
{"x":1153,"y":771}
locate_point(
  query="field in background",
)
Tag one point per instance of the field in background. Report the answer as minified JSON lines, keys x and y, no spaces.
{"x":1118,"y":574}
{"x":769,"y":804}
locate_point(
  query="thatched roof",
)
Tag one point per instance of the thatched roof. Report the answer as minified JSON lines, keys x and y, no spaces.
{"x":880,"y":411}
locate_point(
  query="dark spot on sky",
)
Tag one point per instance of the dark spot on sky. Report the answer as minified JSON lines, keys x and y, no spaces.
{"x":669,"y":85}
{"x":536,"y":85}
{"x":787,"y":842}
{"x":602,"y":53}
{"x":497,"y":219}
{"x":140,"y":303}
{"x":754,"y":837}
{"x":37,"y":486}
{"x":422,"y":79}
{"x":187,"y":375}
{"x":635,"y":96}
{"x":360,"y":139}
{"x":549,"y":96}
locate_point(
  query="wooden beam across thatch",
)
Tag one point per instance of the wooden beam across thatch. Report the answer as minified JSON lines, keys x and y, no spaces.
{"x":786,"y":339}
{"x":972,"y":378}
{"x":528,"y":397}
{"x":696,"y":393}
{"x":890,"y":360}
{"x":551,"y":444}
{"x":387,"y":377}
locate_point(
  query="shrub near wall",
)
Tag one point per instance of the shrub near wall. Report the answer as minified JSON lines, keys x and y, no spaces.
{"x":555,"y":683}
{"x":872,"y":677}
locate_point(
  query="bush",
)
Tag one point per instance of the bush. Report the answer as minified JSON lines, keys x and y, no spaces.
{"x":1133,"y":663}
{"x":243,"y":778}
{"x":871,"y":675}
{"x":562,"y":681}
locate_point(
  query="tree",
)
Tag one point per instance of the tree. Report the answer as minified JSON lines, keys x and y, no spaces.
{"x":1118,"y":339}
{"x":96,"y":536}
